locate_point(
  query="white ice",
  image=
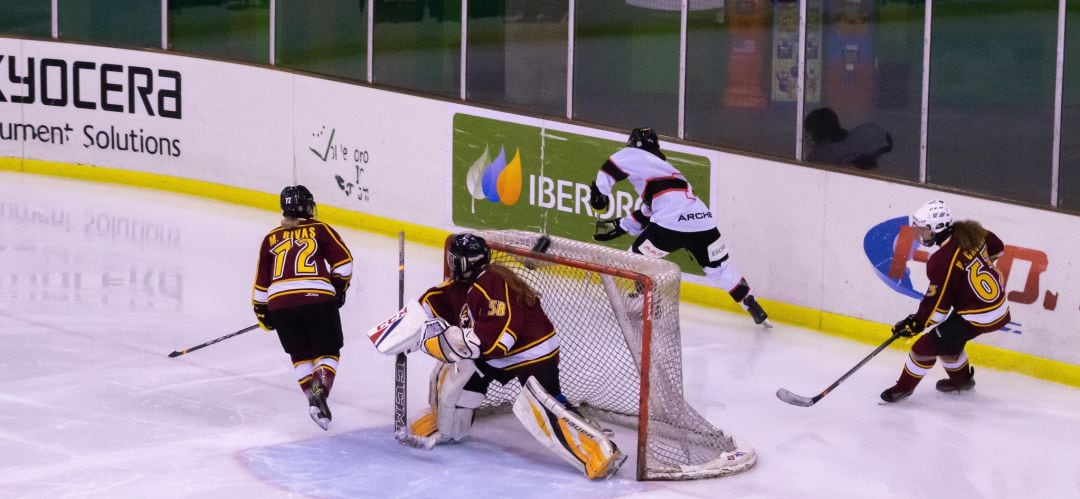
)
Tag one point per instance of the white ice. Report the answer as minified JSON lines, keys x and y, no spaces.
{"x":98,"y":283}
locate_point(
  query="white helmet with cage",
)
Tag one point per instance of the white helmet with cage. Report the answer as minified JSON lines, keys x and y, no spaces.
{"x":934,"y":222}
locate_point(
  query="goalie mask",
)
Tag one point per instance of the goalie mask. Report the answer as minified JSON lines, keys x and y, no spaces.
{"x":933,"y":222}
{"x":467,"y":256}
{"x":297,"y":202}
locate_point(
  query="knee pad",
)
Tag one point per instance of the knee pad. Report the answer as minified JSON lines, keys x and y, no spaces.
{"x":724,"y":276}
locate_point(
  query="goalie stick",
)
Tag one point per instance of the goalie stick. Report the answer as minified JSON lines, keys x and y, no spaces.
{"x":401,"y":371}
{"x":787,"y":396}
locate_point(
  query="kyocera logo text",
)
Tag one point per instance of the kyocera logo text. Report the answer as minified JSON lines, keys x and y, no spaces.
{"x":496,"y":179}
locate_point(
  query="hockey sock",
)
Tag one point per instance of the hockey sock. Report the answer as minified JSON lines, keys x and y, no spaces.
{"x":914,"y":369}
{"x":303,"y":369}
{"x":326,"y":376}
{"x":958,"y":369}
{"x":325,"y":371}
{"x":740,"y":291}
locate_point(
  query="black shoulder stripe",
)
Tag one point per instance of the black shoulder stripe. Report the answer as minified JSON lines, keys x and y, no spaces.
{"x":654,"y":187}
{"x":610,"y":168}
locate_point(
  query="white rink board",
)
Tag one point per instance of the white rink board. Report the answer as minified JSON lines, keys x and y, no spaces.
{"x":227,"y":132}
{"x":388,"y":149}
{"x":797,"y":233}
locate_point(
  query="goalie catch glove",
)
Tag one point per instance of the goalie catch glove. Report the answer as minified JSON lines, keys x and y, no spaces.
{"x":453,"y":344}
{"x":262,"y":313}
{"x":907,"y":327}
{"x":608,"y":229}
{"x":597,"y":200}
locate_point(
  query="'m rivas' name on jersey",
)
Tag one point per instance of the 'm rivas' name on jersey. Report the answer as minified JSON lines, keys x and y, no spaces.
{"x":667,"y":198}
{"x":299,"y":265}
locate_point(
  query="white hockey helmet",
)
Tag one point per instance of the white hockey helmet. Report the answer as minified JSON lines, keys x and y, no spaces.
{"x":933,"y":221}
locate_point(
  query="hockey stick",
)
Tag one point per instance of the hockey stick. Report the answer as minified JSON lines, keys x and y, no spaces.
{"x":401,"y":372}
{"x":211,"y":342}
{"x":801,"y":401}
{"x":401,"y":363}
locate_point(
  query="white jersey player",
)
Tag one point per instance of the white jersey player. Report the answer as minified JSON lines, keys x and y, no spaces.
{"x":671,"y":217}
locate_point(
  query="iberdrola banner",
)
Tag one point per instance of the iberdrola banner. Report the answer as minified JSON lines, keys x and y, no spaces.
{"x":514,"y":176}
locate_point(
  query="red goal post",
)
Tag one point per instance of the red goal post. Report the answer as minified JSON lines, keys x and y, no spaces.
{"x":617,"y":314}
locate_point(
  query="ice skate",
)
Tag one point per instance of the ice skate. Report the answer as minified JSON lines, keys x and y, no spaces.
{"x":895,"y":394}
{"x":318,"y":410}
{"x":947,"y":385}
{"x":760,"y":317}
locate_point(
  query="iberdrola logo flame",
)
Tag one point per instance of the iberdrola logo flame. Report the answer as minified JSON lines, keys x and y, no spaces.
{"x":495,"y":180}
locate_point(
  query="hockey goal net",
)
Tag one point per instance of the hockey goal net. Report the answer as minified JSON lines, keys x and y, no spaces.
{"x":621,"y":356}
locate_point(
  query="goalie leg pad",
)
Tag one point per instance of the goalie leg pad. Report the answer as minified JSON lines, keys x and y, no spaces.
{"x":450,"y":417}
{"x":570,"y":436}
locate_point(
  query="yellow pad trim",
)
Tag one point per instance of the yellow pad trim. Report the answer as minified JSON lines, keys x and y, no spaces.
{"x":540,"y":420}
{"x":432,"y":347}
{"x":425,"y":426}
{"x":569,"y":437}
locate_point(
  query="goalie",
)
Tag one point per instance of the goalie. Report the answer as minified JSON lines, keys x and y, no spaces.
{"x":493,"y":328}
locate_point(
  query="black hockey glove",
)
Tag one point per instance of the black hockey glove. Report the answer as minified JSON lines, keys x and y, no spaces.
{"x":608,"y":229}
{"x":598,"y":201}
{"x":907,"y":327}
{"x":262,"y":313}
{"x":341,"y":285}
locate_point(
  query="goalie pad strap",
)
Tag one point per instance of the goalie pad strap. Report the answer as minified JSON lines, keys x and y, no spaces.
{"x":565,"y":433}
{"x":452,"y":405}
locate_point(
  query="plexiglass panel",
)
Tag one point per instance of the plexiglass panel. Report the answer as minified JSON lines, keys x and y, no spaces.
{"x":328,"y":37}
{"x":517,"y":54}
{"x":26,"y":18}
{"x":626,"y":63}
{"x":418,"y":45}
{"x":233,"y":29}
{"x":133,"y":23}
{"x":992,"y":97}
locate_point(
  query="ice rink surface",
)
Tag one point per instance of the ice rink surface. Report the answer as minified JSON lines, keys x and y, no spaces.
{"x":98,"y":283}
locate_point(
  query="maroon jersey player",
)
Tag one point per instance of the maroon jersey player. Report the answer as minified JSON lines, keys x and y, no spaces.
{"x":965,"y":298}
{"x":497,"y":331}
{"x":303,"y":271}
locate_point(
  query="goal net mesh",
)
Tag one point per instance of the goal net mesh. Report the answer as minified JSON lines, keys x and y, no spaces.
{"x":595,"y":296}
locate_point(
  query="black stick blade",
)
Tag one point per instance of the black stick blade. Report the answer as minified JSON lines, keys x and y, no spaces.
{"x":540,"y":246}
{"x":793,"y":399}
{"x":175,"y":354}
